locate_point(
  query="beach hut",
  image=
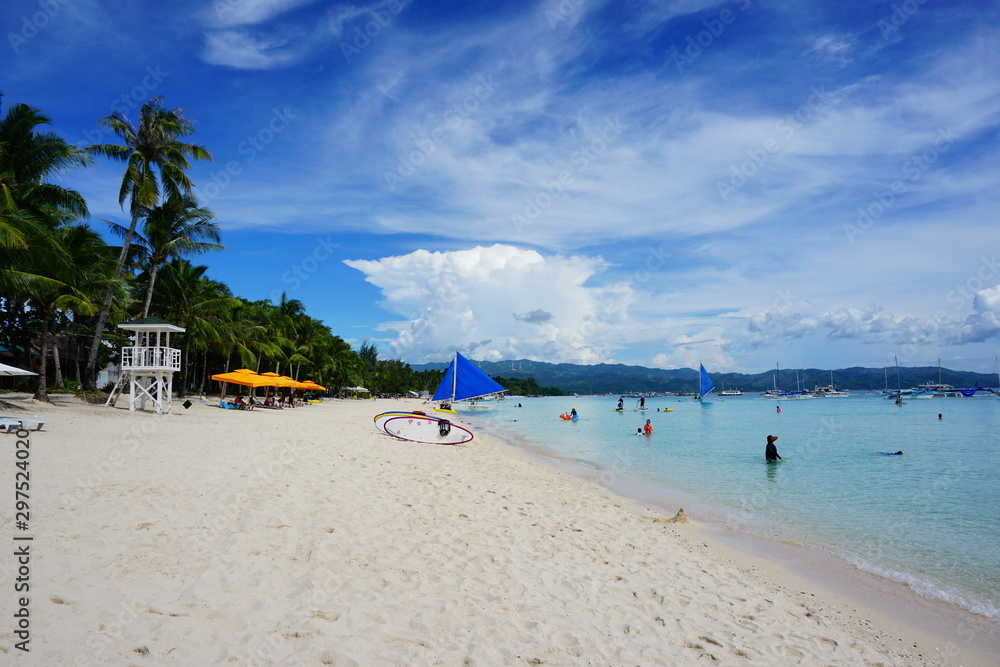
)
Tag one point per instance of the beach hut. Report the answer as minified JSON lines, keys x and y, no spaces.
{"x":148,"y":365}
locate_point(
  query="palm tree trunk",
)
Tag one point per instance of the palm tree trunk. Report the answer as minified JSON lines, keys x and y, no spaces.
{"x":185,"y":362}
{"x":76,"y":362}
{"x":149,"y":290}
{"x":58,"y":364}
{"x":90,"y":379}
{"x":204,"y":374}
{"x":43,"y":366}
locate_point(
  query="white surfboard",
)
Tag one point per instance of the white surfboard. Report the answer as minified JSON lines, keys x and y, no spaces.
{"x":380,"y":419}
{"x":416,"y":428}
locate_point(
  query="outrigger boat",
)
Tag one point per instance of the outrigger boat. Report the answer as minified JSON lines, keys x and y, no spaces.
{"x":463,"y":381}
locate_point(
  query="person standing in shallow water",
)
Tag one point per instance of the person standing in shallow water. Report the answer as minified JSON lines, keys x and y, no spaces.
{"x":771,"y":452}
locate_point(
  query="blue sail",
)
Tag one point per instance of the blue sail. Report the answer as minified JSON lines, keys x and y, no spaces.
{"x":463,"y":380}
{"x":444,"y":390}
{"x":706,"y":382}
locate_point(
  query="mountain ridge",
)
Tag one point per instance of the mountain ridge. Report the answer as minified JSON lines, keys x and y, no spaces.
{"x":623,"y":378}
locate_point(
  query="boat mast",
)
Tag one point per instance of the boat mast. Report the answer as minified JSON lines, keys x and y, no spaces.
{"x":454,"y":377}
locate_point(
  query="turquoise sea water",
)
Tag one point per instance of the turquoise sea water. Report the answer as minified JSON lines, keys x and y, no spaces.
{"x":929,"y":519}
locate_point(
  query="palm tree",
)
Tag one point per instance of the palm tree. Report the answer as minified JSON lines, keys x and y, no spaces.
{"x":175,"y":228}
{"x":31,"y":206}
{"x":200,"y":305}
{"x":80,"y":274}
{"x":156,"y":161}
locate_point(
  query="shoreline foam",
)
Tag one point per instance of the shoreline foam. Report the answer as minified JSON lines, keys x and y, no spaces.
{"x":305,"y":537}
{"x":910,"y":613}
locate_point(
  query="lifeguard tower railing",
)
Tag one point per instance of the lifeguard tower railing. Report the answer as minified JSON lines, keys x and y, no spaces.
{"x":151,"y":359}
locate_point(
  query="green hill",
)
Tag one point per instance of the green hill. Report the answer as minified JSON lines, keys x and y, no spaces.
{"x":620,"y":379}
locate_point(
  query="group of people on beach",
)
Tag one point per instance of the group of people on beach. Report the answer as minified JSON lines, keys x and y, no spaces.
{"x":288,"y":399}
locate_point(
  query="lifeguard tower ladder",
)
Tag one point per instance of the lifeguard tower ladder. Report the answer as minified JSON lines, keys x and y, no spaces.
{"x":148,"y":366}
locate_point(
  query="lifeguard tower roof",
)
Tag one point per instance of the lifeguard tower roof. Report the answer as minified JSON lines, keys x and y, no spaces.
{"x":150,"y":324}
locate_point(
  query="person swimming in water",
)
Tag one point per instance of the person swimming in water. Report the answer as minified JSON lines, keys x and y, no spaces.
{"x":899,"y":453}
{"x":648,"y":428}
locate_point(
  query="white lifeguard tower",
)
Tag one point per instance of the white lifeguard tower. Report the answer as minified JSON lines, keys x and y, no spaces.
{"x":148,"y":366}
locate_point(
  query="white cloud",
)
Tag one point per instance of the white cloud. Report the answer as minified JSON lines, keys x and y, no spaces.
{"x":833,"y":49}
{"x":242,"y":34}
{"x":241,"y":49}
{"x":232,"y":13}
{"x":499,"y":302}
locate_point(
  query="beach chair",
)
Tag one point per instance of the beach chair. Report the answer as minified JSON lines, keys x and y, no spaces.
{"x":27,"y":424}
{"x":9,"y":425}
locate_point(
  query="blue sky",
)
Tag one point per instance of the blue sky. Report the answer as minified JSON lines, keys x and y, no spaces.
{"x":741,"y":183}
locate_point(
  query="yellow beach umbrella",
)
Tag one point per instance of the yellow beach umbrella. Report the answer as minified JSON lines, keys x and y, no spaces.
{"x":295,"y":384}
{"x":312,"y":385}
{"x":250,"y":379}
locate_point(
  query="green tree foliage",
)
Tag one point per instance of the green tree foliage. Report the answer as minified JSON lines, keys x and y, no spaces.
{"x":156,"y":161}
{"x":527,"y":387}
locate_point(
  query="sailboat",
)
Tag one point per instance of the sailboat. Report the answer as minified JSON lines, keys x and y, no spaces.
{"x":798,"y":393}
{"x":899,"y":387}
{"x":706,"y":385}
{"x":773,"y":393}
{"x":463,"y":380}
{"x":831,"y":390}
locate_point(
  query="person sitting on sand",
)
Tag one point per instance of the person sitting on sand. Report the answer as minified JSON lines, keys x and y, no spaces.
{"x":771,"y":452}
{"x":269,"y":400}
{"x":242,"y":404}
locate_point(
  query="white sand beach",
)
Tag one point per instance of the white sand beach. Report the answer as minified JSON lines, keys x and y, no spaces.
{"x":305,"y":537}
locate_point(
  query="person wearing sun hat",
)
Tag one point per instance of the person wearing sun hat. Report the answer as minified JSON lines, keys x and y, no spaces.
{"x":771,"y":452}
